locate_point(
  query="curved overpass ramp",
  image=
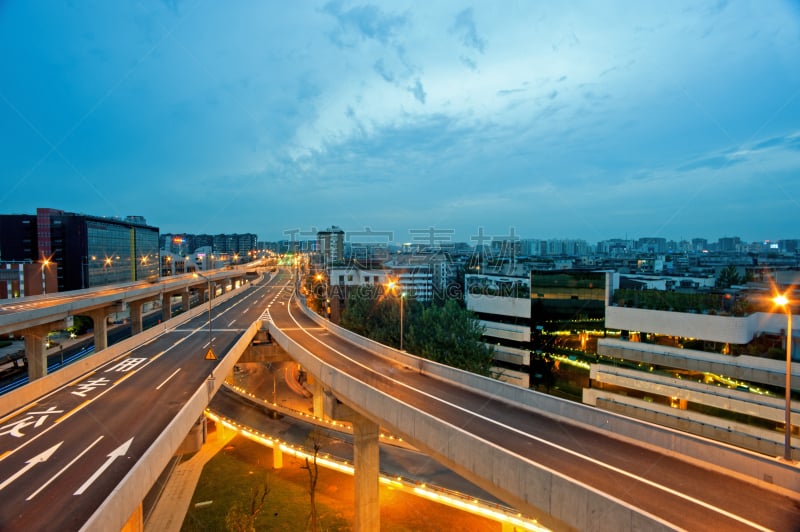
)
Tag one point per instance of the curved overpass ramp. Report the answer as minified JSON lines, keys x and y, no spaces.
{"x":567,"y":475}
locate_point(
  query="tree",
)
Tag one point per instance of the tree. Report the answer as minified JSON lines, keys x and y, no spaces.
{"x":444,"y":333}
{"x":450,"y":335}
{"x":240,"y":519}
{"x":313,"y":475}
{"x":729,"y":276}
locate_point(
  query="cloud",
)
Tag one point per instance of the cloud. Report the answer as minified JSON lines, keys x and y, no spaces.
{"x":363,"y":22}
{"x":418,"y":91}
{"x":464,"y":26}
{"x":382,"y":71}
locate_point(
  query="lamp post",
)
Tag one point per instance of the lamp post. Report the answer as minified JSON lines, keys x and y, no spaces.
{"x":783,"y":302}
{"x":210,"y":354}
{"x":392,"y":285}
{"x":45,"y":263}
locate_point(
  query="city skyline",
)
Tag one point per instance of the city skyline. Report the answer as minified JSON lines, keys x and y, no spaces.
{"x":557,"y":122}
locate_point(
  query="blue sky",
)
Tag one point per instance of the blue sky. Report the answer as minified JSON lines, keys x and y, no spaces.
{"x":589,"y":120}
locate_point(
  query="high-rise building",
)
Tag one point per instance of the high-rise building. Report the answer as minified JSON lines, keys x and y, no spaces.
{"x":330,"y":245}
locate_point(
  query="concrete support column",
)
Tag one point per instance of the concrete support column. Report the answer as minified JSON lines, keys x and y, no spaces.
{"x":214,"y":291}
{"x":135,"y":308}
{"x":166,"y":307}
{"x":366,"y":461}
{"x":100,"y":328}
{"x":135,"y":521}
{"x":35,"y":351}
{"x":318,"y":399}
{"x":277,"y":456}
{"x":185,"y":297}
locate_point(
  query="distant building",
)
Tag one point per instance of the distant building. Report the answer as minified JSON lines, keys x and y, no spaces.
{"x":21,"y":279}
{"x":330,"y":246}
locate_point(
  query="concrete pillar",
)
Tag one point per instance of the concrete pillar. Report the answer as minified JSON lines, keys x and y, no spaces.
{"x":366,"y":461}
{"x":135,"y":521}
{"x":185,"y":297}
{"x":319,"y":398}
{"x":35,"y":351}
{"x":135,"y":308}
{"x":100,"y":328}
{"x":213,"y":291}
{"x":166,"y":307}
{"x":277,"y":456}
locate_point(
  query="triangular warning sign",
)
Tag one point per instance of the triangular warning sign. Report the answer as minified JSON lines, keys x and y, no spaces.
{"x":210,"y":354}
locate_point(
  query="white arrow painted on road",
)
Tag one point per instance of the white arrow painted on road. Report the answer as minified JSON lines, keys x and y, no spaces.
{"x":113,"y":455}
{"x":38,"y":459}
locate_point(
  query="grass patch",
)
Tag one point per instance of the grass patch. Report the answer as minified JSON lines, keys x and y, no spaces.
{"x":236,"y":473}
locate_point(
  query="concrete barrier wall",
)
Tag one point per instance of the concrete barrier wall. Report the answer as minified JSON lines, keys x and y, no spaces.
{"x":114,"y":512}
{"x":39,"y":387}
{"x":767,"y":443}
{"x":764,"y":470}
{"x":527,"y":486}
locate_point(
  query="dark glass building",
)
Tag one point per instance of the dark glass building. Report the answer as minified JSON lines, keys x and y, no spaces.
{"x":567,"y":295}
{"x":89,"y":250}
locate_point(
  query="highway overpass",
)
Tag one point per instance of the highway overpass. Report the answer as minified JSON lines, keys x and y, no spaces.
{"x":34,"y":317}
{"x":86,"y":454}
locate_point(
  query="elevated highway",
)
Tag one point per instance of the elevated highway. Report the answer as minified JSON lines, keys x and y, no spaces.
{"x":85,"y":455}
{"x":34,"y":317}
{"x":531,"y":451}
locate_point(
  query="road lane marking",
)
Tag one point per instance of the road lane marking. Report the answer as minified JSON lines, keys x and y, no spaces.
{"x":168,"y":378}
{"x":30,"y":464}
{"x":18,"y":412}
{"x":113,"y":455}
{"x":231,"y":323}
{"x":540,"y":440}
{"x":82,"y":377}
{"x":43,"y":486}
{"x":125,"y":377}
{"x":71,"y":412}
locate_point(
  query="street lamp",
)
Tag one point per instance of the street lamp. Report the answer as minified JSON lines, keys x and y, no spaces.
{"x":45,"y":263}
{"x":210,"y":354}
{"x":392,"y":285}
{"x":782,"y":301}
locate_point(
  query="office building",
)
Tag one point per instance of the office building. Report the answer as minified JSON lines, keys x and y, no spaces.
{"x":88,"y":250}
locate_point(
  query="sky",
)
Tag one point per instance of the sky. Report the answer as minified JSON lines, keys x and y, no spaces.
{"x":563,"y":120}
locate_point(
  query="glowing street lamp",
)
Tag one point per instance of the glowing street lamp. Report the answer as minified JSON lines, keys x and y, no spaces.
{"x":210,"y":353}
{"x":782,"y":301}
